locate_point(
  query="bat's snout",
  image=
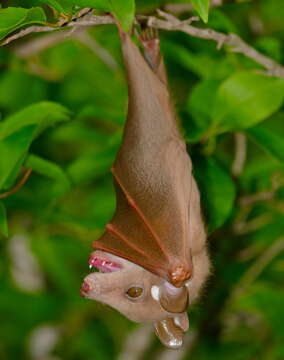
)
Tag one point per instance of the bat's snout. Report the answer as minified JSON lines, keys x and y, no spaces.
{"x":95,"y":283}
{"x":85,"y":288}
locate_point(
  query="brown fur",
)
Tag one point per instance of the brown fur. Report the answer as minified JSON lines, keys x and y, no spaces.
{"x":157,"y":233}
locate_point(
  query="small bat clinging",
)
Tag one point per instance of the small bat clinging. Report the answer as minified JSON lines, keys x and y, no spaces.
{"x":152,"y":257}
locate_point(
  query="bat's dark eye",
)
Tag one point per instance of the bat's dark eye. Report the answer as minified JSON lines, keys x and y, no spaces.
{"x":134,"y":292}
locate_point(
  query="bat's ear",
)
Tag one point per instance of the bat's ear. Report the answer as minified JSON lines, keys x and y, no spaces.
{"x":173,"y":299}
{"x":170,"y":332}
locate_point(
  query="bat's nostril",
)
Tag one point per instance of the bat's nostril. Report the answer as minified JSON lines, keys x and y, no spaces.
{"x":85,"y":288}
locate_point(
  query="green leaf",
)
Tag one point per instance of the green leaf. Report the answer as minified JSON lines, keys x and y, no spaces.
{"x":246,"y":99}
{"x":221,"y":22}
{"x":53,"y":4}
{"x":46,"y":168}
{"x":13,"y":150}
{"x":123,"y":10}
{"x":13,"y":85}
{"x":182,"y":56}
{"x":217,"y":191}
{"x":3,"y":220}
{"x":202,"y":7}
{"x":270,"y":46}
{"x":270,"y":141}
{"x":54,"y":261}
{"x":42,"y":114}
{"x":19,"y":130}
{"x":51,"y":170}
{"x":61,"y":6}
{"x":13,"y":18}
{"x":92,"y":165}
{"x":96,"y":4}
{"x":200,"y":105}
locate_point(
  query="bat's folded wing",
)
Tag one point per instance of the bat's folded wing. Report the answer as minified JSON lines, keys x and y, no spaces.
{"x":152,"y":174}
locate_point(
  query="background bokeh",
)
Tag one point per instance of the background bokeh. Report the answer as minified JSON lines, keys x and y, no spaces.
{"x":69,"y":196}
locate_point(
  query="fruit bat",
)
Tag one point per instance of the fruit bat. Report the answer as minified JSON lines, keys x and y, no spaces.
{"x":152,"y":257}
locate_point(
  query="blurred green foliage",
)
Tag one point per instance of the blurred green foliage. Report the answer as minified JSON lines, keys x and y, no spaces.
{"x":62,"y":110}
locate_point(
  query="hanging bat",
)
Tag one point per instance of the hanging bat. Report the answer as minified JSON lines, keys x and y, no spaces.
{"x":152,"y":257}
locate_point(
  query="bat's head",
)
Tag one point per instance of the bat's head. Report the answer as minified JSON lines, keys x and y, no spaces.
{"x":142,"y":296}
{"x":125,"y":286}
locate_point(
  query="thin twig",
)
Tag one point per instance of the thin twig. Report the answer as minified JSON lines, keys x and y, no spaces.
{"x":249,"y":200}
{"x":25,"y":32}
{"x":251,"y":275}
{"x":246,"y":227}
{"x":240,"y":154}
{"x":136,"y":343}
{"x":20,"y":184}
{"x":257,"y":268}
{"x":235,"y":43}
{"x":171,"y":23}
{"x":86,"y":39}
{"x":91,"y":21}
{"x":38,"y":44}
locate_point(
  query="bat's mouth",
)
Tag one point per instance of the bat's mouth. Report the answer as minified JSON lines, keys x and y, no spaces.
{"x":102,"y":263}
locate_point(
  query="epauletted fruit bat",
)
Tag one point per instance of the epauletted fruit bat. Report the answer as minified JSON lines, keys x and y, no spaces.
{"x":152,"y":257}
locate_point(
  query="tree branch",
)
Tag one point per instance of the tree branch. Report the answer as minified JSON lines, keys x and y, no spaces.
{"x":170,"y":23}
{"x":250,"y":200}
{"x":136,"y":342}
{"x":85,"y":21}
{"x":20,"y":184}
{"x":86,"y":39}
{"x":235,"y":43}
{"x":240,"y":154}
{"x":257,"y":268}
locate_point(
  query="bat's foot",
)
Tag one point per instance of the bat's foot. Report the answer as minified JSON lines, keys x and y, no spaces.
{"x":151,"y":44}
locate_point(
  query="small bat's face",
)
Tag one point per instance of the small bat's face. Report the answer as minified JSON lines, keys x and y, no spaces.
{"x":125,"y":286}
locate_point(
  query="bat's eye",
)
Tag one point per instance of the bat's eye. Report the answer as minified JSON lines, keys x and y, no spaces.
{"x":134,"y":292}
